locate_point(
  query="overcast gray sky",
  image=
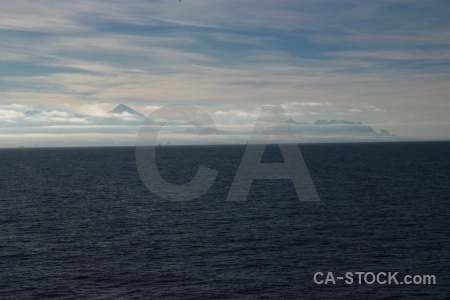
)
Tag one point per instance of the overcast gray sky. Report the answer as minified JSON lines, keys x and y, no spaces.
{"x":384,"y":63}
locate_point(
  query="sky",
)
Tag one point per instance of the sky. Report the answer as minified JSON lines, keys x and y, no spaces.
{"x":63,"y":64}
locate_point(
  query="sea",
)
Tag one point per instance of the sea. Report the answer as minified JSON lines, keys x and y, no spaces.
{"x":79,"y":223}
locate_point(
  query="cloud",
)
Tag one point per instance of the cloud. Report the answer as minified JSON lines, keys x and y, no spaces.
{"x":38,"y":17}
{"x":309,"y":103}
{"x":235,"y":117}
{"x":152,"y":108}
{"x":10,"y":116}
{"x":408,"y":55}
{"x":96,"y":109}
{"x":15,"y":106}
{"x":124,"y":116}
{"x":24,"y":116}
{"x":120,"y":56}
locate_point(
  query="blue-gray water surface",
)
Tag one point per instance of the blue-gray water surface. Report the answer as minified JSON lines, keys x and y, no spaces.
{"x":79,"y":223}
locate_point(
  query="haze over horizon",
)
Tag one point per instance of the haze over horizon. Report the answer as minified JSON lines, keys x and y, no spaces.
{"x":64,"y":67}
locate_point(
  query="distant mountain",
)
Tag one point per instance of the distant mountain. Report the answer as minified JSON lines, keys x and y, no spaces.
{"x":385,"y":132}
{"x":336,"y":122}
{"x":335,"y":128}
{"x":122,"y":108}
{"x":123,"y":115}
{"x":290,"y":121}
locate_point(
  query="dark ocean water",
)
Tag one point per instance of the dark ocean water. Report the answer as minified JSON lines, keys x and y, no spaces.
{"x":79,"y":223}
